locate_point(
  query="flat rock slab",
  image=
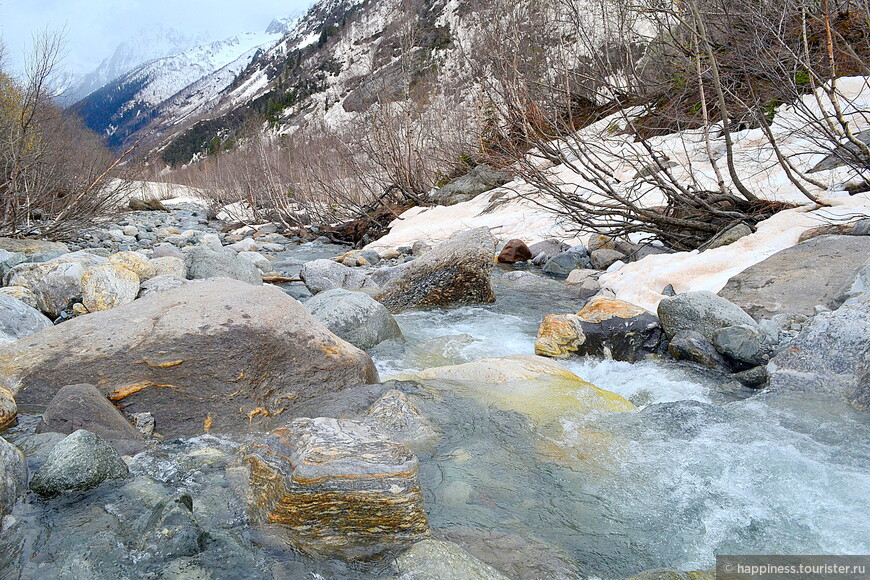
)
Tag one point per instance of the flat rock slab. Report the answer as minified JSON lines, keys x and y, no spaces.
{"x":212,"y":355}
{"x":795,"y":280}
{"x":338,"y":487}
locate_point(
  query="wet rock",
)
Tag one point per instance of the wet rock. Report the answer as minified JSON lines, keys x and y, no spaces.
{"x":57,"y":284}
{"x":161,"y":283}
{"x":81,"y":461}
{"x":827,"y":354}
{"x":400,"y":420}
{"x":135,"y":262}
{"x":338,"y":488}
{"x":860,"y":397}
{"x":559,"y":335}
{"x":583,"y":283}
{"x":572,"y":259}
{"x":438,"y":560}
{"x":18,"y":320}
{"x":26,"y":295}
{"x":604,"y":258}
{"x":514,"y":251}
{"x":169,"y":266}
{"x":13,"y":476}
{"x":8,"y":408}
{"x":83,"y":406}
{"x":479,"y":180}
{"x":729,"y":236}
{"x":441,"y":351}
{"x":703,"y":312}
{"x":690,"y":345}
{"x":543,"y":251}
{"x":215,"y":354}
{"x":455,"y":272}
{"x":323,"y":275}
{"x":354,"y":316}
{"x":109,"y":286}
{"x":531,"y":282}
{"x":171,"y":531}
{"x":754,"y":378}
{"x":743,"y":343}
{"x":204,"y":262}
{"x":30,"y":247}
{"x":618,"y":330}
{"x":797,"y":279}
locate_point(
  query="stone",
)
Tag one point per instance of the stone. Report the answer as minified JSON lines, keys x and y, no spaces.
{"x":827,"y":355}
{"x":604,"y":258}
{"x":204,"y":262}
{"x":861,"y":228}
{"x":572,"y":259}
{"x":419,"y":248}
{"x":514,"y":251}
{"x":211,"y":240}
{"x":480,"y":179}
{"x":400,"y":420}
{"x":26,"y":295}
{"x":57,"y":284}
{"x":217,"y":354}
{"x":136,"y":263}
{"x":169,"y":266}
{"x":80,"y":462}
{"x":543,"y":251}
{"x":246,"y":245}
{"x":439,"y":560}
{"x":559,"y":335}
{"x":9,"y":260}
{"x":743,"y":343}
{"x":618,"y":330}
{"x":8,"y":408}
{"x":144,"y":423}
{"x":583,"y":283}
{"x":797,"y":279}
{"x":13,"y":476}
{"x":729,"y":236}
{"x":83,"y":406}
{"x":166,"y":251}
{"x":645,"y":250}
{"x":669,"y":290}
{"x":109,"y":286}
{"x":30,"y":247}
{"x":322,"y":275}
{"x":161,"y":283}
{"x":600,"y":242}
{"x":860,"y":396}
{"x":259,"y":260}
{"x":455,"y":272}
{"x":18,"y":320}
{"x":703,"y":312}
{"x":130,"y":230}
{"x":338,"y":488}
{"x":691,"y":346}
{"x":668,"y":574}
{"x":754,"y":378}
{"x":355,"y":317}
{"x":371,"y":256}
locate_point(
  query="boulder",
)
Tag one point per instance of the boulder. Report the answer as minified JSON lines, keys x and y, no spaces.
{"x":204,"y":262}
{"x":83,"y":406}
{"x":166,"y":251}
{"x":571,"y":259}
{"x":703,"y":312}
{"x":583,"y":283}
{"x":729,"y":236}
{"x":669,"y":574}
{"x":338,"y":488}
{"x":691,"y":346}
{"x":543,"y":251}
{"x":18,"y":320}
{"x":797,"y":279}
{"x":13,"y":476}
{"x":161,"y":283}
{"x":754,"y":378}
{"x":262,"y":263}
{"x":323,"y":275}
{"x":215,"y":354}
{"x":559,"y":335}
{"x":604,"y":258}
{"x":514,"y":251}
{"x":105,"y":287}
{"x":57,"y":284}
{"x":135,"y":262}
{"x":828,"y":354}
{"x":455,"y":272}
{"x":438,"y":560}
{"x":9,"y":260}
{"x":742,"y":343}
{"x":81,"y":461}
{"x":30,"y":247}
{"x":400,"y":420}
{"x":169,"y":266}
{"x":479,"y":180}
{"x":354,"y":316}
{"x":618,"y":330}
{"x":8,"y":408}
{"x":26,"y":295}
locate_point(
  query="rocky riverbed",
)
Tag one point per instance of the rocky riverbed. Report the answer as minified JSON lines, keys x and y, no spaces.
{"x":475,"y":409}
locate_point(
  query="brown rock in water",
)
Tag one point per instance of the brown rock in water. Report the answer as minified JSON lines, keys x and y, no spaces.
{"x":514,"y":251}
{"x":338,"y":488}
{"x":455,"y":272}
{"x":559,"y":336}
{"x":218,"y":352}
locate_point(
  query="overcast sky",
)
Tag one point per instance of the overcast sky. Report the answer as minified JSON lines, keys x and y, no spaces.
{"x":95,"y":27}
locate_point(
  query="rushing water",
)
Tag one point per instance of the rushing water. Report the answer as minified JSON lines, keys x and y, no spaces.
{"x":698,"y":469}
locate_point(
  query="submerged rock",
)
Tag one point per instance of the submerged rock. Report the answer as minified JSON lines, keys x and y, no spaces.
{"x":455,"y":272}
{"x":401,"y":421}
{"x":18,"y":320}
{"x":338,"y":488}
{"x":216,"y":354}
{"x":354,"y":316}
{"x":81,"y":461}
{"x":438,"y":560}
{"x":703,"y":312}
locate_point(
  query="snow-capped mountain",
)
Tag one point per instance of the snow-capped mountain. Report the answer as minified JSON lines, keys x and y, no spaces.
{"x":130,"y":102}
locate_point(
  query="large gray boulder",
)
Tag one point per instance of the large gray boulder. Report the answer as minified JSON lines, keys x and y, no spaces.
{"x":479,"y":180}
{"x":455,"y":272}
{"x":829,"y":354}
{"x":703,"y":312}
{"x":79,"y":462}
{"x":322,"y":275}
{"x":439,"y":560}
{"x":212,"y":355}
{"x":354,"y":316}
{"x":13,"y":476}
{"x":18,"y":320}
{"x":83,"y":406}
{"x":338,"y":488}
{"x":206,"y":262}
{"x":819,"y":271}
{"x":57,"y":283}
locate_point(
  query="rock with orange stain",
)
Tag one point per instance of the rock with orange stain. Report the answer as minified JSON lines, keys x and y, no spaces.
{"x":338,"y":488}
{"x":8,"y":408}
{"x":559,"y":335}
